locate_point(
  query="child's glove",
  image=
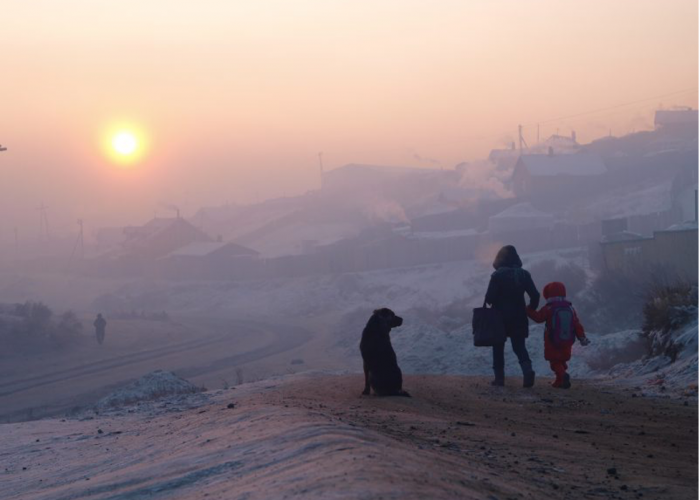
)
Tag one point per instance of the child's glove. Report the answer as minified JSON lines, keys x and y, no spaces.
{"x":584,"y":341}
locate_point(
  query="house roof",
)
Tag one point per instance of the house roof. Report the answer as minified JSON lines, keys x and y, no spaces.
{"x":436,"y":235}
{"x":159,"y":237}
{"x":563,"y":164}
{"x":623,"y":236}
{"x":152,"y":226}
{"x":204,"y":248}
{"x":498,"y":154}
{"x":524,"y":210}
{"x":675,"y":116}
{"x":689,"y":225}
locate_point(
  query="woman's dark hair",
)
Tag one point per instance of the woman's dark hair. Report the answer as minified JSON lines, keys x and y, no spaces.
{"x":507,"y":257}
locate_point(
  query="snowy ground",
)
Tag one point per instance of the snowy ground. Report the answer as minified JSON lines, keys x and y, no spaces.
{"x":314,"y":436}
{"x":661,"y":377}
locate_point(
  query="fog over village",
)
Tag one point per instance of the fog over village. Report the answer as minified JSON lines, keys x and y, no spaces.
{"x":190,"y":258}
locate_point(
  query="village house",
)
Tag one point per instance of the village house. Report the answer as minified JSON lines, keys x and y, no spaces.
{"x":159,"y":237}
{"x":677,"y":119}
{"x":671,"y":252}
{"x":684,"y":192}
{"x":520,"y":217}
{"x":209,"y":260}
{"x":504,"y":159}
{"x":556,"y":176}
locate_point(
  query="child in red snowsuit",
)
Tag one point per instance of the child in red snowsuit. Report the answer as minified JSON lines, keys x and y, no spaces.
{"x":557,"y":353}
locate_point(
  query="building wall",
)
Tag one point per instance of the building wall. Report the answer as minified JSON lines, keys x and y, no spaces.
{"x":687,"y":203}
{"x":672,"y":252}
{"x":550,"y":191}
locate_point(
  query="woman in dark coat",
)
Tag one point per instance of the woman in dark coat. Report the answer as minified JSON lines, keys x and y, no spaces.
{"x":506,"y":292}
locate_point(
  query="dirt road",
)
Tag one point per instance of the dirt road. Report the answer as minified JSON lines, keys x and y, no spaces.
{"x":191,"y":347}
{"x":314,"y":436}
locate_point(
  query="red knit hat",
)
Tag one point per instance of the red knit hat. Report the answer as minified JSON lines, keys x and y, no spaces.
{"x":554,"y":289}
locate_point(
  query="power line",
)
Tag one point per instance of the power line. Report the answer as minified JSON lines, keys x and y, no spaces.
{"x":551,"y":120}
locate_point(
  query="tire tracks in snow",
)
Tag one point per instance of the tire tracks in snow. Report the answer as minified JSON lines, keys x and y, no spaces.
{"x":278,"y":344}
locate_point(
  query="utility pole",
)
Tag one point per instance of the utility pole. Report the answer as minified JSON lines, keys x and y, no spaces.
{"x":521,"y":139}
{"x":81,"y":239}
{"x":43,"y":222}
{"x":320,"y":165}
{"x":79,"y":242}
{"x":538,"y":133}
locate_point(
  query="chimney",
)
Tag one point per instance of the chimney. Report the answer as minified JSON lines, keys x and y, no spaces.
{"x":573,"y":136}
{"x":550,"y":151}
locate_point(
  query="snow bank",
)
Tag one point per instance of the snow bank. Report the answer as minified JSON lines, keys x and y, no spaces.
{"x":426,"y":349}
{"x":659,"y":374}
{"x":620,"y":357}
{"x":155,"y":385}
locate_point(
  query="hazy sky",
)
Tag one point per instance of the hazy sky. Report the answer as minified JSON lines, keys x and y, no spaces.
{"x":237,"y":97}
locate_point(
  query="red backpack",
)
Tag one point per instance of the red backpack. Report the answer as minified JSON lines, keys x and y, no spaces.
{"x":561,"y":327}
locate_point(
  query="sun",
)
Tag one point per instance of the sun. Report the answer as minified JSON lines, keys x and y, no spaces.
{"x":125,"y":143}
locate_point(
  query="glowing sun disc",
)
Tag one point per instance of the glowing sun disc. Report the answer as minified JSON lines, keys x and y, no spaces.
{"x":125,"y":143}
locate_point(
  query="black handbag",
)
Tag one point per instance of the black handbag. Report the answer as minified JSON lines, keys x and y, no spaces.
{"x":488,"y":327}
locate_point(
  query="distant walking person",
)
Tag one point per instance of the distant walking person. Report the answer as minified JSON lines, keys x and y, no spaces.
{"x":100,"y":325}
{"x":506,"y":292}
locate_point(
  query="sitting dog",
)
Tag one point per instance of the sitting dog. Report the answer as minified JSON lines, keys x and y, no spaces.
{"x":382,"y":372}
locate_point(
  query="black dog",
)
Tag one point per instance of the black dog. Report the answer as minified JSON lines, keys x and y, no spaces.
{"x":382,"y":371}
